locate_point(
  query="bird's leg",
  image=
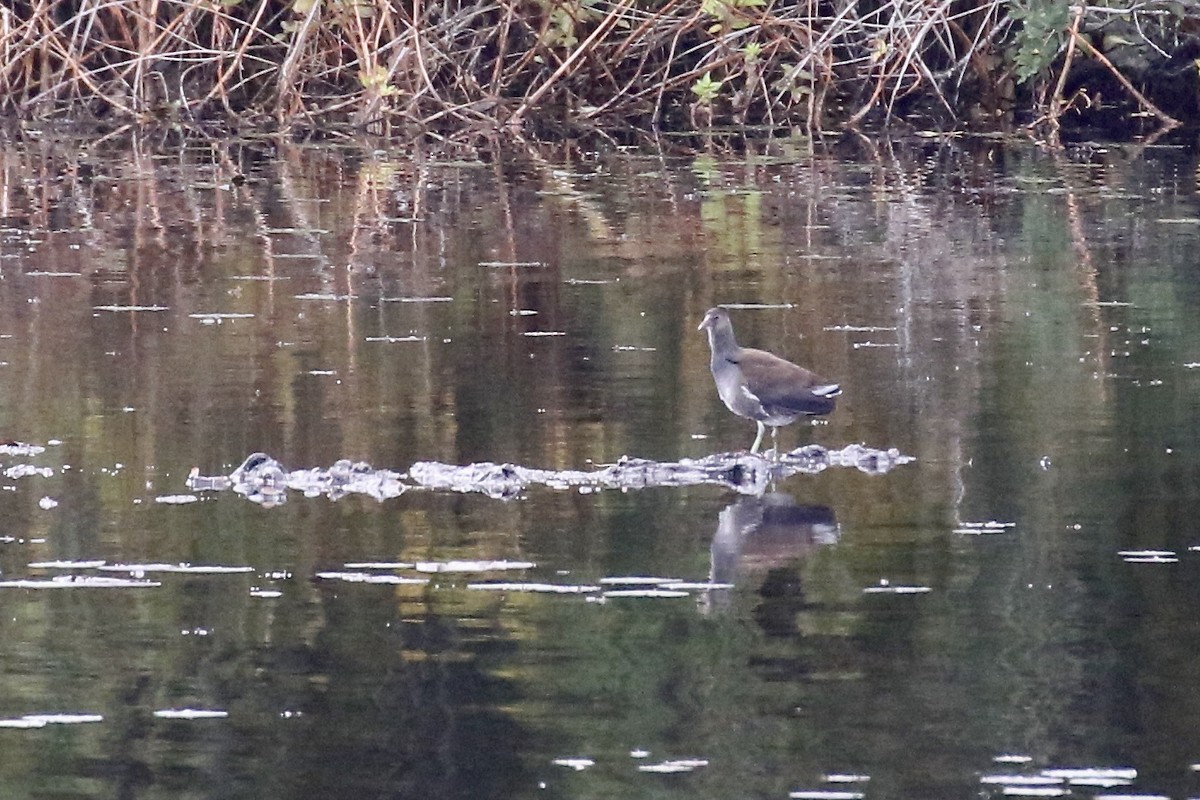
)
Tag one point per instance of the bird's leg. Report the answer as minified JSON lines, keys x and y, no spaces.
{"x":758,"y":439}
{"x":775,"y":441}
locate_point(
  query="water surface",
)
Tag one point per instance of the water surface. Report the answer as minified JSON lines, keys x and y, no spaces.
{"x":1020,"y":599}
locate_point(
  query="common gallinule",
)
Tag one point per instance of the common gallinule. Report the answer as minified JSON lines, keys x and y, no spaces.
{"x":761,"y":386}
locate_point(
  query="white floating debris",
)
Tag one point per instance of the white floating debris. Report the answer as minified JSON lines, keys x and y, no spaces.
{"x":1010,"y":758}
{"x":370,"y":577}
{"x":430,"y":299}
{"x":1022,"y":780}
{"x":206,"y":569}
{"x":266,"y":593}
{"x":1036,"y":791}
{"x":629,"y":348}
{"x":22,"y":722}
{"x":695,"y":586}
{"x":26,"y":470}
{"x":130,"y":308}
{"x":511,"y":264}
{"x":63,"y":719}
{"x":41,"y":273}
{"x":825,"y":794}
{"x":176,"y":499}
{"x":577,"y":764}
{"x":838,"y":777}
{"x":645,"y":593}
{"x":638,"y":752}
{"x":638,"y":580}
{"x":394,"y":339}
{"x":1130,"y":797}
{"x":1067,"y":773}
{"x":1144,"y":553}
{"x":674,"y":765}
{"x":21,"y":449}
{"x":379,"y":565}
{"x":1192,"y":365}
{"x":220,"y":316}
{"x":47,"y":503}
{"x":472,"y":566}
{"x":888,"y":588}
{"x":758,"y":306}
{"x":860,"y":328}
{"x":325,"y":296}
{"x":78,"y":582}
{"x":544,"y":333}
{"x":67,"y":564}
{"x":980,"y":528}
{"x":1151,"y":560}
{"x":1107,"y":304}
{"x":548,"y":588}
{"x":1100,"y":783}
{"x":190,"y":713}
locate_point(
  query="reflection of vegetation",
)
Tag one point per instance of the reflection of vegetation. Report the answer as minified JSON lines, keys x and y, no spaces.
{"x":976,"y":268}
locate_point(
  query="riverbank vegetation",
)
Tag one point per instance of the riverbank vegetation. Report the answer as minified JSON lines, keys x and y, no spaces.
{"x":555,"y":67}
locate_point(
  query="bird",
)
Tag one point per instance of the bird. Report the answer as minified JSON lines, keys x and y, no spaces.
{"x":761,"y":386}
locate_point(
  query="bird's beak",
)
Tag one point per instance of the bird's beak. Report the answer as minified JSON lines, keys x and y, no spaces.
{"x":704,"y":323}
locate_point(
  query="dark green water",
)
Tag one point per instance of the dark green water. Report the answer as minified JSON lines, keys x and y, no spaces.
{"x":1022,"y":322}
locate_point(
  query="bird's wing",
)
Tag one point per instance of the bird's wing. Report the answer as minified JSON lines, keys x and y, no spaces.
{"x":782,"y":384}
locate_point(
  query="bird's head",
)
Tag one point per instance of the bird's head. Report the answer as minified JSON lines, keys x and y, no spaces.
{"x":715,"y":319}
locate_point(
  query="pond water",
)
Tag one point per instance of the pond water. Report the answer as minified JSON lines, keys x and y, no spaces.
{"x":1016,"y":611}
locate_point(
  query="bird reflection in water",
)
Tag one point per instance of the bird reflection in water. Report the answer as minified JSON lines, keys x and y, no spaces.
{"x":765,"y":538}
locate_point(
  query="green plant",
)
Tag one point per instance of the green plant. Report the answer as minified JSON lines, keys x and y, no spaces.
{"x":1040,"y":37}
{"x":726,"y":12}
{"x":706,"y":89}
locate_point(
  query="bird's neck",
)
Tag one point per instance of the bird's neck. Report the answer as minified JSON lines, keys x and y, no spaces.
{"x":722,"y":343}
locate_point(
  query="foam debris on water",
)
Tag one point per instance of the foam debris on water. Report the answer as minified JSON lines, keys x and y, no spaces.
{"x":825,"y":794}
{"x":17,"y":471}
{"x":176,"y":499}
{"x":472,"y":566}
{"x":11,"y":448}
{"x":183,"y":567}
{"x":983,"y":528}
{"x":78,"y":582}
{"x":674,"y":765}
{"x":371,"y":577}
{"x":67,"y":564}
{"x":546,"y":588}
{"x":656,"y":592}
{"x":42,"y":720}
{"x":119,"y":308}
{"x":190,"y":713}
{"x":886,"y":587}
{"x":577,"y":764}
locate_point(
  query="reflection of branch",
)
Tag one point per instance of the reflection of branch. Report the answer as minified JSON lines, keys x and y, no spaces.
{"x":1088,"y":272}
{"x":1142,"y":100}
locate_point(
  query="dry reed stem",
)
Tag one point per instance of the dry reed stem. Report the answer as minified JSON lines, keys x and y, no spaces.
{"x":492,"y":62}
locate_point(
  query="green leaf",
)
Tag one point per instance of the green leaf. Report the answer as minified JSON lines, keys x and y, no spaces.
{"x":706,"y":89}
